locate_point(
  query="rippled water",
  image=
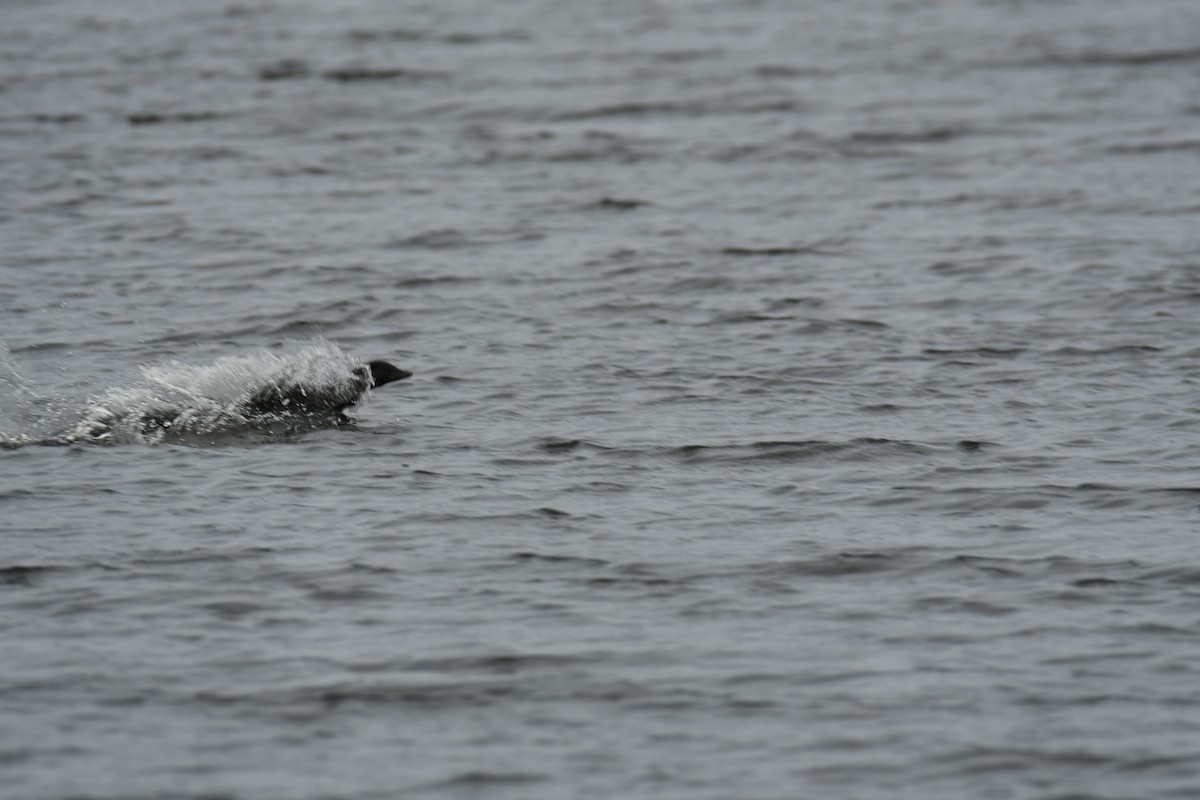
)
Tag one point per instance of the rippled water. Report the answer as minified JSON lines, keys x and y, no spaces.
{"x":804,"y":399}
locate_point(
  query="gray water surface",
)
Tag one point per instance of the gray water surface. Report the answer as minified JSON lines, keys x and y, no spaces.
{"x":804,"y":399}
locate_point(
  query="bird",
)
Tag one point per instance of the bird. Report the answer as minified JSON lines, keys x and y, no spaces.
{"x":292,"y":397}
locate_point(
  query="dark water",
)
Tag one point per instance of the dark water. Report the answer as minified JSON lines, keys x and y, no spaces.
{"x":805,"y":399}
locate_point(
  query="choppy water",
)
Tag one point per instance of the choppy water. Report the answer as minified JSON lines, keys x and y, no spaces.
{"x":804,"y":399}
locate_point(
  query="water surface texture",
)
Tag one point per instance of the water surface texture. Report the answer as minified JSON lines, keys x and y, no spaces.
{"x":804,"y":399}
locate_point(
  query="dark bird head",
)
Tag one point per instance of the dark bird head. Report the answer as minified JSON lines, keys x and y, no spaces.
{"x":382,"y":372}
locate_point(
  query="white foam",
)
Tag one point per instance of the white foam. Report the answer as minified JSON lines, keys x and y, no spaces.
{"x":232,"y":378}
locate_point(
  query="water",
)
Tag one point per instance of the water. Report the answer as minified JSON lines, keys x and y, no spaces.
{"x":804,"y":399}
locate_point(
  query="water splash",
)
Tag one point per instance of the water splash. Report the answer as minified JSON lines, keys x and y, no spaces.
{"x":16,"y":400}
{"x":306,"y":387}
